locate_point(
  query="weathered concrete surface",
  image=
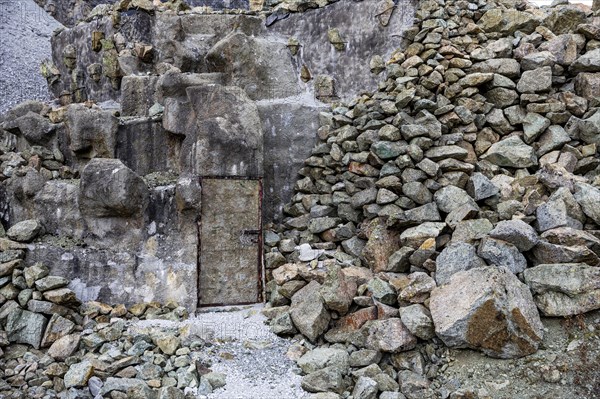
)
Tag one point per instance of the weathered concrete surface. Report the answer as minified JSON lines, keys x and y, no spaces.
{"x":153,"y":262}
{"x":289,"y":133}
{"x":359,"y":28}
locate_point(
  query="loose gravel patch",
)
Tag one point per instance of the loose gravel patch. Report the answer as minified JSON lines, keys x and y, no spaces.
{"x":242,"y":346}
{"x":25,"y":31}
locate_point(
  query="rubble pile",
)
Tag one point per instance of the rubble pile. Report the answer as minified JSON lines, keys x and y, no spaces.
{"x":453,"y":206}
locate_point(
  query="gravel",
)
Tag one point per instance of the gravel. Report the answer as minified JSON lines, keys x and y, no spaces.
{"x":243,"y":347}
{"x":25,"y":31}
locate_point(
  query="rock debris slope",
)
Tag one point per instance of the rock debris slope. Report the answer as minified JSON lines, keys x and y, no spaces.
{"x":455,"y":205}
{"x":25,"y":30}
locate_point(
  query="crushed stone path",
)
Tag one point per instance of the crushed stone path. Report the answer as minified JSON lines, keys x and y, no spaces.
{"x":242,"y":346}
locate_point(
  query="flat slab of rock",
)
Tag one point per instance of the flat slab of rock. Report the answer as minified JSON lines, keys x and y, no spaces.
{"x":487,"y":309}
{"x":564,"y":289}
{"x":25,"y":327}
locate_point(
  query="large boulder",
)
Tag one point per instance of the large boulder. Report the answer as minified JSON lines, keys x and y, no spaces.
{"x":108,"y":188}
{"x":564,"y":289}
{"x":487,"y":309}
{"x":25,"y":327}
{"x":92,"y":131}
{"x":511,"y":152}
{"x":308,"y":312}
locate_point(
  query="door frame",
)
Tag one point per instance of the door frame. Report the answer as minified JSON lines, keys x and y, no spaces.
{"x":260,"y":284}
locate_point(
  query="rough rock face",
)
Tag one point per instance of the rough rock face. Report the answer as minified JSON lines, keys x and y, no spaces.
{"x":564,"y":289}
{"x":488,"y":309}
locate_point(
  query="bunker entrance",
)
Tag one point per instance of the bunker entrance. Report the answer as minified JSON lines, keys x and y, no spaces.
{"x":230,"y":240}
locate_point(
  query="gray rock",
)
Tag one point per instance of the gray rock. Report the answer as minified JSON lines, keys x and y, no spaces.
{"x":564,"y":289}
{"x":170,"y":393}
{"x":25,"y":231}
{"x":471,"y":230}
{"x":51,"y":283}
{"x":418,"y":321}
{"x":487,"y":309}
{"x":109,"y":188}
{"x":516,"y":232}
{"x":319,"y":225}
{"x":511,"y":152}
{"x":480,"y":187}
{"x":537,"y":80}
{"x":450,"y":198}
{"x":64,"y":347}
{"x":365,"y":388}
{"x":78,"y":374}
{"x":319,"y":358}
{"x":57,"y":328}
{"x":92,"y":131}
{"x":25,"y":327}
{"x":504,"y":66}
{"x":588,"y":197}
{"x":554,"y":138}
{"x":457,"y":256}
{"x":587,"y":129}
{"x":337,"y":290}
{"x":560,"y":210}
{"x":588,"y":62}
{"x":364,"y":357}
{"x":537,"y":60}
{"x":308,"y":311}
{"x":534,"y":125}
{"x":324,"y":380}
{"x":216,"y":380}
{"x":364,"y":197}
{"x":417,"y":192}
{"x":501,"y":253}
{"x":399,"y":260}
{"x":121,"y":384}
{"x":415,"y":236}
{"x":445,"y":152}
{"x":382,"y":291}
{"x":390,"y":336}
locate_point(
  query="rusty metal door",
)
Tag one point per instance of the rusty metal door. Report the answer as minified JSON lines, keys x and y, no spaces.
{"x":230,"y":235}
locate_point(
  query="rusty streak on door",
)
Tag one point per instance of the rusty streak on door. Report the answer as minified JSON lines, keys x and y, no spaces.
{"x":230,"y":241}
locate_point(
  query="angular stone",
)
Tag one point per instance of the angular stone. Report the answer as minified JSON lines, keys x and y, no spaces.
{"x":382,"y":291}
{"x":78,"y":374}
{"x":588,"y":197}
{"x":471,"y":230}
{"x":511,"y":152}
{"x":501,"y":253}
{"x":535,"y":81}
{"x":25,"y":231}
{"x":564,"y":289}
{"x":516,"y":232}
{"x":61,"y":296}
{"x":457,"y":256}
{"x":415,"y":287}
{"x":57,"y":328}
{"x":445,"y":152}
{"x":338,"y":290}
{"x":480,"y":187}
{"x":382,"y":243}
{"x":450,"y":198}
{"x":487,"y":309}
{"x":64,"y":347}
{"x":35,"y":272}
{"x":6,"y":269}
{"x":417,"y":319}
{"x":545,"y":253}
{"x":308,"y":311}
{"x":399,"y":260}
{"x":588,"y":62}
{"x":51,"y":283}
{"x":109,"y":188}
{"x":415,"y":236}
{"x":324,"y":380}
{"x":365,"y":388}
{"x":390,"y":336}
{"x":534,"y":125}
{"x":25,"y":327}
{"x":319,"y":358}
{"x":417,"y":192}
{"x":560,"y":210}
{"x":587,"y":85}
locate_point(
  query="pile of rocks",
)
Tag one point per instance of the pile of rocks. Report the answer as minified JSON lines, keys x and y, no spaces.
{"x":453,"y":204}
{"x":52,"y":346}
